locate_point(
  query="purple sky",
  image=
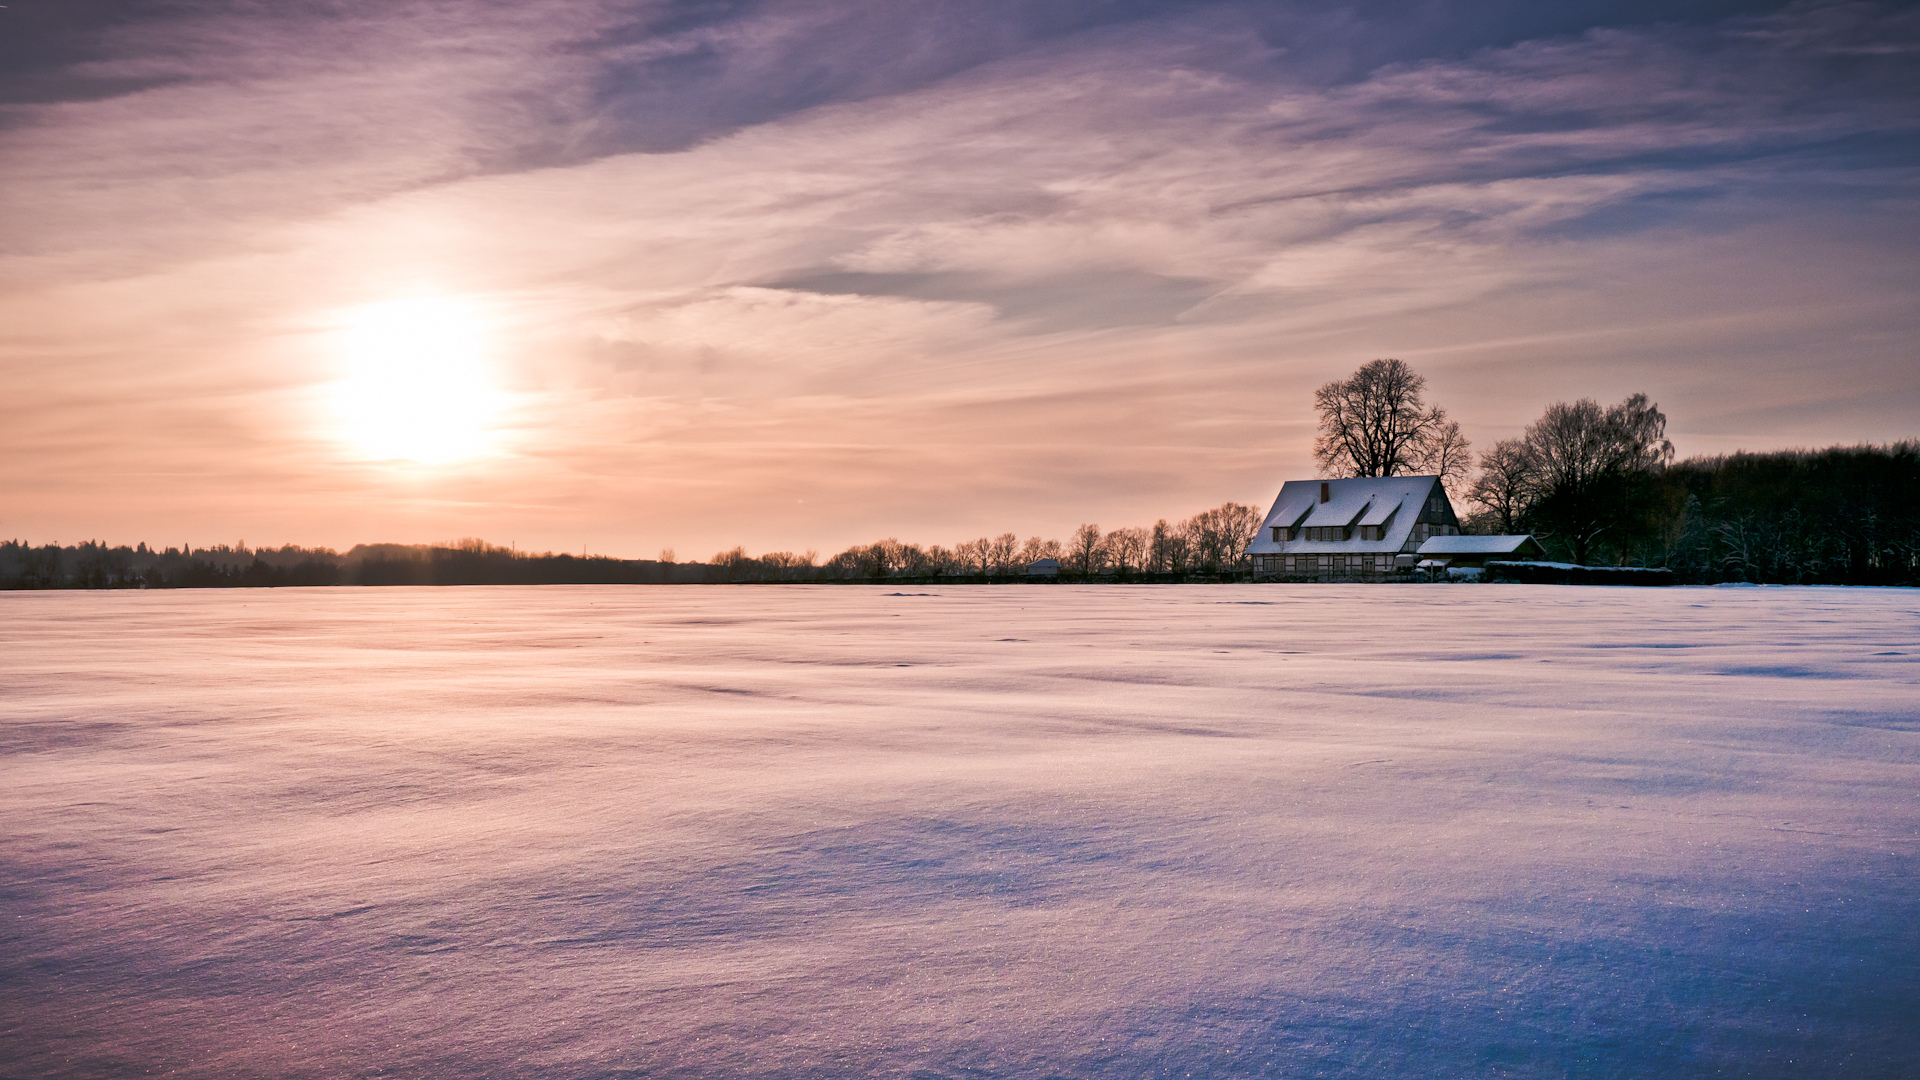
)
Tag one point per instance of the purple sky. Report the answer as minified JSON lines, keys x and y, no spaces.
{"x":637,"y":275}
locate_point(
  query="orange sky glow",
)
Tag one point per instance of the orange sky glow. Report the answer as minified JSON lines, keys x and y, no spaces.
{"x":602,"y":276}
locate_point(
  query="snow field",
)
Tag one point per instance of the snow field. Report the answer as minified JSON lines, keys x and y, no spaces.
{"x":1021,"y":831}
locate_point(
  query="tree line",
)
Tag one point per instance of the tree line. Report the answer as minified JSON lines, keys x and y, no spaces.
{"x":93,"y":565}
{"x":1209,"y":544}
{"x":1597,"y":485}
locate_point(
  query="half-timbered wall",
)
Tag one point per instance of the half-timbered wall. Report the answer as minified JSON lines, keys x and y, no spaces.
{"x":1324,"y":566}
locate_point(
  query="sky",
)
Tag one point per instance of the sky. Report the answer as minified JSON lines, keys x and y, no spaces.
{"x":625,"y":276}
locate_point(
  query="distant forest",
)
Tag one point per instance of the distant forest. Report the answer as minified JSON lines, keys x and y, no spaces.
{"x":467,"y":562}
{"x":1841,"y":516}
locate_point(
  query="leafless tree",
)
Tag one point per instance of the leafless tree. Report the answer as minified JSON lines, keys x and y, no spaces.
{"x":1036,"y":549}
{"x":1377,"y":423}
{"x":1575,"y":444}
{"x":785,"y":566}
{"x":942,"y":561}
{"x":1508,"y":477}
{"x":1085,"y":552}
{"x":1239,"y":524}
{"x":913,"y":561}
{"x":1171,"y":548}
{"x":1002,"y":553}
{"x":1589,"y":461}
{"x":1450,"y":455}
{"x":734,"y":562}
{"x":1127,"y":549}
{"x":883,"y":558}
{"x":1220,"y":536}
{"x":974,"y":556}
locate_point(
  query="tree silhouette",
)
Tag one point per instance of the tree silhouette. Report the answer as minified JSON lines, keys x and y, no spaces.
{"x":1377,"y":423}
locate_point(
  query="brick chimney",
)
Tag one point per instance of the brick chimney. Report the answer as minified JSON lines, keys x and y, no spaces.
{"x":1324,"y":492}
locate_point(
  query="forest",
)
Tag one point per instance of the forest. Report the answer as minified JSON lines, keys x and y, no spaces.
{"x":1840,"y":516}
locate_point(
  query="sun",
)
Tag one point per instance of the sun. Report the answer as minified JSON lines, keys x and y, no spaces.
{"x":418,"y":383}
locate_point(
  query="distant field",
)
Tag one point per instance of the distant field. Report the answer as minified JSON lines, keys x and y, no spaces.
{"x":1108,"y":831}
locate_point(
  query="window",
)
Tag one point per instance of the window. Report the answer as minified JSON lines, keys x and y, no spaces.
{"x":1276,"y":534}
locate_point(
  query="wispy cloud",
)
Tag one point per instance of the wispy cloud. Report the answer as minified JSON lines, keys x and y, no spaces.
{"x":1062,"y":262}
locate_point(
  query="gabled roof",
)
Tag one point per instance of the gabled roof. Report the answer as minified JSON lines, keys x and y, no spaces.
{"x":1355,"y":501}
{"x":1478,"y":545}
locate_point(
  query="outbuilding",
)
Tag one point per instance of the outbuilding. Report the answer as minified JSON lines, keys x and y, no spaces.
{"x":1454,"y":552}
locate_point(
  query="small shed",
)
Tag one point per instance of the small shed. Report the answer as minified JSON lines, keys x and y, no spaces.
{"x":1458,"y":551}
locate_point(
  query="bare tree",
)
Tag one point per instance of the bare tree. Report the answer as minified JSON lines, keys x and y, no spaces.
{"x":1171,"y":548}
{"x":1377,"y":423}
{"x":1239,"y":524}
{"x":785,"y":565}
{"x":1577,"y":443}
{"x":1508,"y":476}
{"x":1591,"y":466}
{"x":735,"y":563}
{"x":942,"y":561}
{"x":1036,"y":549}
{"x":1127,"y":549}
{"x":1002,"y":552}
{"x":1085,"y":552}
{"x":1220,"y":536}
{"x":882,"y":558}
{"x":976,"y":555}
{"x":914,"y":561}
{"x":1450,"y":455}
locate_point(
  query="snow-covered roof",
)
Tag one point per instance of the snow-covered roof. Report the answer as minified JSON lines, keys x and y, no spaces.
{"x":1378,"y":511}
{"x":1355,"y":501}
{"x":1475,"y":545}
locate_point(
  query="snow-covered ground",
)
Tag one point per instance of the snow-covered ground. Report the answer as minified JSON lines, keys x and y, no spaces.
{"x":1210,"y":831}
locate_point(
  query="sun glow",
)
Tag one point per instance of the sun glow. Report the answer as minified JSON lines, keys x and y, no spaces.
{"x":418,"y":381}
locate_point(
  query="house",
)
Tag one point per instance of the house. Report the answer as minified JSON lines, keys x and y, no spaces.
{"x":1454,"y":552}
{"x":1044,"y":568}
{"x":1362,"y":527}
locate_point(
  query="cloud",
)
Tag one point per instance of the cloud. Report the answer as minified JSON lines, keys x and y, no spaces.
{"x":1059,"y":259}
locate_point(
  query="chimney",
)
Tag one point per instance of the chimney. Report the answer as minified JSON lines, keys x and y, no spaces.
{"x":1324,"y":496}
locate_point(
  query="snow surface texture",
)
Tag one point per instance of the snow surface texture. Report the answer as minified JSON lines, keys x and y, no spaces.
{"x":1021,"y":831}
